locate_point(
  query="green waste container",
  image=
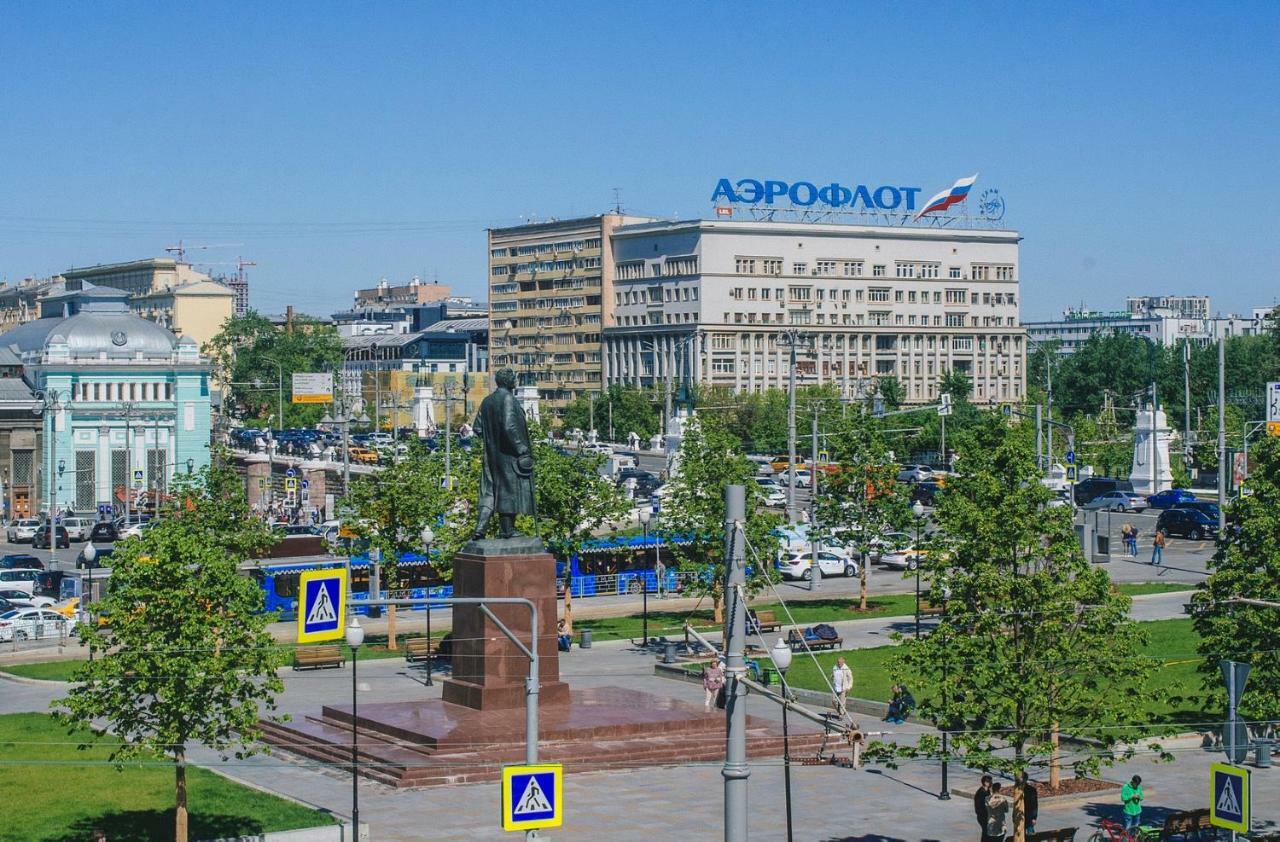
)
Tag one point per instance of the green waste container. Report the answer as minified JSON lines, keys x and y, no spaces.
{"x":770,"y":676}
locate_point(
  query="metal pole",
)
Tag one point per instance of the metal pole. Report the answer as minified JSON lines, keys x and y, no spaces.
{"x":786,"y":758}
{"x":736,"y":771}
{"x":1186,"y":404}
{"x":1039,"y":438}
{"x":645,"y":591}
{"x":346,"y":453}
{"x":448,"y":434}
{"x":945,"y":463}
{"x":791,"y":433}
{"x":1048,"y":374}
{"x":1222,"y":436}
{"x":917,"y":560}
{"x":355,"y":746}
{"x":815,"y":581}
{"x":1155,"y":445}
{"x":430,"y":654}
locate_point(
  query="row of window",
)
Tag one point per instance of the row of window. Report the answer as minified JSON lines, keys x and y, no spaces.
{"x":827,"y":267}
{"x":658,"y":319}
{"x":162,"y":391}
{"x":873,"y":294}
{"x":546,"y":248}
{"x":671,"y":267}
{"x":828,"y":341}
{"x":566,"y":265}
{"x":874,"y":317}
{"x":652,"y":295}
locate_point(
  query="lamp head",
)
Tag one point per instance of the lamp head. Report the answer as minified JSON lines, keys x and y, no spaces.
{"x":90,"y":552}
{"x":781,"y":654}
{"x":917,"y":509}
{"x":355,"y":633}
{"x":645,"y":516}
{"x":428,"y":535}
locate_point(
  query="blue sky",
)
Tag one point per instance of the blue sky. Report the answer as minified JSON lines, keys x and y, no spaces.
{"x":1135,"y":144}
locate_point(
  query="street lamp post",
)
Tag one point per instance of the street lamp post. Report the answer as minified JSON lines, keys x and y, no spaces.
{"x":355,"y":637}
{"x":54,"y":402}
{"x":781,"y":654}
{"x":645,"y":516}
{"x":427,"y":537}
{"x":945,"y":794}
{"x":918,"y":511}
{"x":90,"y":553}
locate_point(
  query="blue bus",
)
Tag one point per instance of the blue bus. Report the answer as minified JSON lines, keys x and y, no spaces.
{"x":279,"y":580}
{"x":622,"y":565}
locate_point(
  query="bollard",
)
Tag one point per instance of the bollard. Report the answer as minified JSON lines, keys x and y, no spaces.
{"x":669,"y":653}
{"x":584,"y":640}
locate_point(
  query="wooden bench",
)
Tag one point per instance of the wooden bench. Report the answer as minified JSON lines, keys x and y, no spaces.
{"x":797,"y":642}
{"x":1186,"y":825}
{"x":419,"y":649}
{"x":318,"y":657}
{"x":928,"y":609}
{"x":764,"y":621}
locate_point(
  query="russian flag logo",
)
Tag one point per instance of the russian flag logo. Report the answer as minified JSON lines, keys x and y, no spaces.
{"x":954,"y":196}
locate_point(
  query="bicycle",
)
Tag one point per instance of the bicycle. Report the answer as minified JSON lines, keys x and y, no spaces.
{"x":1110,"y":831}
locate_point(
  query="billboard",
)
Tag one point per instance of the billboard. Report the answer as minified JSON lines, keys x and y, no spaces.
{"x":312,"y":388}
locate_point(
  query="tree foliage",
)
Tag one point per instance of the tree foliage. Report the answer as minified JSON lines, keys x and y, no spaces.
{"x":245,"y":353}
{"x":186,"y":658}
{"x":1246,"y":564}
{"x":1032,"y":639}
{"x":633,"y":411}
{"x":573,"y":500}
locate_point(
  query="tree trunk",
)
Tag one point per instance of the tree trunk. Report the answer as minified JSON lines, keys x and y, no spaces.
{"x":391,"y":628}
{"x":717,"y":608}
{"x":180,"y":782}
{"x":568,"y":602}
{"x":1055,"y":760}
{"x":1019,"y":823}
{"x":863,"y":572}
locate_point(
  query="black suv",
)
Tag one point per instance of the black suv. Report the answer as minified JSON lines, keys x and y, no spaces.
{"x":1086,"y":490}
{"x":1187,"y":523}
{"x":104,"y":532}
{"x":20,"y":561}
{"x":41,"y":539}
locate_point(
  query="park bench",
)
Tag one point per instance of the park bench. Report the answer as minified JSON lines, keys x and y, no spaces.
{"x":798,"y":642}
{"x":1190,"y":824}
{"x":419,"y":649}
{"x":317,"y":657}
{"x":928,"y":609}
{"x":1064,"y":834}
{"x":764,"y":621}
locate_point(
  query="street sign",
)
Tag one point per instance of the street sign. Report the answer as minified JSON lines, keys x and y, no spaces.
{"x":305,"y":485}
{"x":262,"y":483}
{"x":1273,"y":401}
{"x":1273,"y":428}
{"x":655,"y":503}
{"x":1235,"y":685}
{"x":1071,"y":457}
{"x":1071,"y":473}
{"x":322,"y":605}
{"x":944,"y":407}
{"x":1229,"y":797}
{"x":312,"y":387}
{"x":137,"y":479}
{"x":532,"y":796}
{"x":291,"y":473}
{"x":824,"y":456}
{"x":290,"y":484}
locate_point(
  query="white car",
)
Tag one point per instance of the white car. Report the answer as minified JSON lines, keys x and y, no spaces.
{"x":915,"y":473}
{"x":22,"y":531}
{"x":832,"y":562}
{"x":771,"y":493}
{"x":78,"y":528}
{"x":133,"y":530}
{"x":804,"y":478}
{"x":32,"y":624}
{"x":19,"y":579}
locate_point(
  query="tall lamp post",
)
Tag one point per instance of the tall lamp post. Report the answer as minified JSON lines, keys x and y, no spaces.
{"x":54,"y":402}
{"x":645,"y":516}
{"x":90,"y":553}
{"x":427,"y":537}
{"x":355,"y":637}
{"x":918,"y":510}
{"x":945,"y":794}
{"x":781,"y":654}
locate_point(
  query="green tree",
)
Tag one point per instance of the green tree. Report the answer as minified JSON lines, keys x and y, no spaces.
{"x":958,"y":384}
{"x":890,"y":389}
{"x":213,"y":503}
{"x":1246,"y":564}
{"x":573,"y":501}
{"x":710,"y":460}
{"x":862,"y":499}
{"x":187,"y":657}
{"x":632,"y":411}
{"x":253,"y":359}
{"x":1032,"y":640}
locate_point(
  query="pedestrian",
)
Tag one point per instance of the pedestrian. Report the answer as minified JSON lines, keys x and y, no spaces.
{"x":841,"y":684}
{"x":980,"y":805}
{"x":712,"y":682}
{"x":1126,"y":535}
{"x":1131,"y":795}
{"x":1133,"y":540}
{"x":1030,"y":803}
{"x":997,"y":813}
{"x":1157,"y":547}
{"x":900,"y":705}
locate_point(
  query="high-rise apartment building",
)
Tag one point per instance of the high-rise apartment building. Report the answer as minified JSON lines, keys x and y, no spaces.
{"x":548,"y":287}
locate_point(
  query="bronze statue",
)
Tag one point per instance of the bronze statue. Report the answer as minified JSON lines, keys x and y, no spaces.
{"x":506,"y":476}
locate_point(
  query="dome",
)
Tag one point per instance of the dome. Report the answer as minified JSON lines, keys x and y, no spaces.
{"x":119,"y":334}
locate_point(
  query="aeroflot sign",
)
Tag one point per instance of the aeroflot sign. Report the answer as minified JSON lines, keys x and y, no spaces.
{"x":861,"y":197}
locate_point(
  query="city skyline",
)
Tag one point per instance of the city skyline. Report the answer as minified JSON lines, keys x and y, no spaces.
{"x":1124,"y":149}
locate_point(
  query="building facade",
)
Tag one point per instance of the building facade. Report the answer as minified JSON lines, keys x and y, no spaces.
{"x":549,"y":284}
{"x":718,"y":302}
{"x":197,"y":309}
{"x":126,"y":402}
{"x":1162,"y":319}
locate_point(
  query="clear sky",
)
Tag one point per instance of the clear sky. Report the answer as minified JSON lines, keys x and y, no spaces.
{"x":1136,"y":144}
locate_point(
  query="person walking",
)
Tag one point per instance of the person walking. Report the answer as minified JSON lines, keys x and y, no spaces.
{"x":1126,"y":534}
{"x":841,"y":684}
{"x":1030,"y":803}
{"x":1131,"y":796}
{"x":712,"y":682}
{"x":980,"y":810}
{"x":997,"y":813}
{"x":1157,"y":548}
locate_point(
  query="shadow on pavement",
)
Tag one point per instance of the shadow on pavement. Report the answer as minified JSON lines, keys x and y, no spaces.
{"x":156,"y":824}
{"x":874,"y":837}
{"x":907,"y":784}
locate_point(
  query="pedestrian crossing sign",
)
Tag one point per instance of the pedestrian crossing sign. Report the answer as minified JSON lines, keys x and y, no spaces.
{"x":532,"y":796}
{"x":322,"y":605}
{"x":1229,"y":797}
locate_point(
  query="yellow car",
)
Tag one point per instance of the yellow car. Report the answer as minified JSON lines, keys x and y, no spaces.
{"x":364,"y":455}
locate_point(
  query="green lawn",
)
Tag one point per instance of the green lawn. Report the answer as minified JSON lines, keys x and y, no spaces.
{"x":47,"y":670}
{"x":68,"y":793}
{"x":1141,"y":588}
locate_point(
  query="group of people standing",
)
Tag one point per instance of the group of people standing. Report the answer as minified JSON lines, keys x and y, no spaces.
{"x":992,"y":807}
{"x":1129,"y":535}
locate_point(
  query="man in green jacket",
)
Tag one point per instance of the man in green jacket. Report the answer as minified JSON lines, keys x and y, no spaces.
{"x":1131,"y":795}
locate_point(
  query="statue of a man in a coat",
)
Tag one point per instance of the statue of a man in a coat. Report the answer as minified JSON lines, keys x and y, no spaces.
{"x":506,"y":476}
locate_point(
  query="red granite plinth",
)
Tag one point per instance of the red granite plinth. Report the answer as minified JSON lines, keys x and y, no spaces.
{"x":489,"y":671}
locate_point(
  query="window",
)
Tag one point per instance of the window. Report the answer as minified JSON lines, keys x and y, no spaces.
{"x":744,"y":265}
{"x":751,"y":294}
{"x":857,"y":295}
{"x":764,"y":294}
{"x":722,"y":366}
{"x":937,"y":297}
{"x":954,"y":273}
{"x":799,"y":268}
{"x":800,"y":293}
{"x":878,"y":294}
{"x":957,"y":296}
{"x":799,"y":317}
{"x":877,"y":271}
{"x":911,"y":297}
{"x":897,"y":295}
{"x":929,"y":270}
{"x":973,"y":299}
{"x":853,"y":268}
{"x":735,"y":293}
{"x":630,"y":270}
{"x":961,"y":343}
{"x":1004,"y":273}
{"x":904,"y":270}
{"x":980,"y":273}
{"x":773,"y":265}
{"x":825,"y":267}
{"x":955,"y":319}
{"x":680,"y":266}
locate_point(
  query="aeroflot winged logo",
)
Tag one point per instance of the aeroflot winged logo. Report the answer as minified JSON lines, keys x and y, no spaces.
{"x":805,"y":194}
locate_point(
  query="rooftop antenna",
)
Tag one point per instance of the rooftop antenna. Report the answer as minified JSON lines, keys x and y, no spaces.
{"x":617,"y":200}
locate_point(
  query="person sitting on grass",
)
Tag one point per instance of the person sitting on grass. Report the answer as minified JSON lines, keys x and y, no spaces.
{"x":900,"y":705}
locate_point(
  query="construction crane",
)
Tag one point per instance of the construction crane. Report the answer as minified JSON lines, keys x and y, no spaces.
{"x":180,"y":250}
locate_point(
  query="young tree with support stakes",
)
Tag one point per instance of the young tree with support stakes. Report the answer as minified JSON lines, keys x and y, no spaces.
{"x":186,"y":658}
{"x":1246,"y":565}
{"x":1032,"y":640}
{"x":710,"y":460}
{"x":862,"y":499}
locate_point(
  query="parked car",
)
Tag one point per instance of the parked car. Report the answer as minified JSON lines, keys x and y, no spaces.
{"x":925,"y":492}
{"x":23,"y":579}
{"x":908,"y":558}
{"x":1061,"y":498}
{"x":915,"y":473}
{"x":19,"y":598}
{"x":887,"y":543}
{"x":14,"y":561}
{"x":832,"y":562}
{"x":1117,"y":501}
{"x":1208,"y":507}
{"x":1171,"y":497}
{"x":104,"y":532}
{"x":32,"y":624}
{"x":102,"y":558}
{"x":771,"y":494}
{"x":133,"y":530}
{"x":364,"y":455}
{"x":78,"y":528}
{"x":42,"y":538}
{"x":21,"y":530}
{"x":804,"y":478}
{"x":1087,"y":489}
{"x":1187,"y":523}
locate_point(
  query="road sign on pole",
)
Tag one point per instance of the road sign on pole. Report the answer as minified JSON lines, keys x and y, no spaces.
{"x":1273,"y":401}
{"x":1229,"y":797}
{"x":655,"y":503}
{"x":944,"y":407}
{"x":532,"y":796}
{"x":322,"y":605}
{"x":1071,"y":457}
{"x":137,"y":479}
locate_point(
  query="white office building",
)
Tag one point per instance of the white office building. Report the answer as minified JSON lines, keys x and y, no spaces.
{"x":717,"y":302}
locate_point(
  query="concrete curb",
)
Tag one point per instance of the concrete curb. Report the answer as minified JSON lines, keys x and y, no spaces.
{"x":34,"y":682}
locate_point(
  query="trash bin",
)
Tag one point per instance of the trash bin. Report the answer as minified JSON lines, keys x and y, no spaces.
{"x":668,"y":653}
{"x":1104,"y":544}
{"x":1262,"y":753}
{"x":584,"y":642}
{"x":770,"y":676}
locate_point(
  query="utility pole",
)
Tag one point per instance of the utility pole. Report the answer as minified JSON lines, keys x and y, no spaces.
{"x":792,"y":337}
{"x":735,"y":771}
{"x":1186,"y":403}
{"x":1155,"y":445}
{"x":591,"y":403}
{"x":448,"y":434}
{"x":1222,"y":435}
{"x":1048,"y":373}
{"x":1039,"y":438}
{"x":815,"y":581}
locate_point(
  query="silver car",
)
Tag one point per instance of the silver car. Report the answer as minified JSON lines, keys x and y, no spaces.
{"x":22,"y":531}
{"x":1118,"y":501}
